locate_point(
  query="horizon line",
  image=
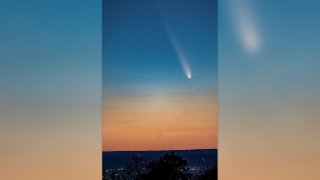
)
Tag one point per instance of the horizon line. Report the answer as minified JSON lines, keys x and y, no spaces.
{"x":160,"y":150}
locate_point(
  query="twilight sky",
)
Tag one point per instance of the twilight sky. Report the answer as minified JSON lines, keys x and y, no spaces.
{"x":150,"y":48}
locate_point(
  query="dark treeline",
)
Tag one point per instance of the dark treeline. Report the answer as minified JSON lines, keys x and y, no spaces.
{"x":168,"y":167}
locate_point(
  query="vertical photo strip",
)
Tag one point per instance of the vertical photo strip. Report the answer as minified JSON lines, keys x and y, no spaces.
{"x":160,"y":89}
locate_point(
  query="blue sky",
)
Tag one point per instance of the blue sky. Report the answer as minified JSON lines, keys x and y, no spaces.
{"x":138,"y":51}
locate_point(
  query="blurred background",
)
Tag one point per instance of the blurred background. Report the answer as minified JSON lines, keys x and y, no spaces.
{"x":269,"y":88}
{"x":50,"y":89}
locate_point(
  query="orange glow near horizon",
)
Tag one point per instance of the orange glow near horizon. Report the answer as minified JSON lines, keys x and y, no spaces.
{"x":159,"y":122}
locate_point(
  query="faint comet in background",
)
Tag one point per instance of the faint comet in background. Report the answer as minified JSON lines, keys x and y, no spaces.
{"x":246,"y":26}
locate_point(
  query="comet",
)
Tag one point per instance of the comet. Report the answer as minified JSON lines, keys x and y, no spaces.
{"x":183,"y":59}
{"x":189,"y":76}
{"x":245,"y":23}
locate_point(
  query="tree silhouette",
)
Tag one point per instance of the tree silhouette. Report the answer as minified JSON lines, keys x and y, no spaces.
{"x":136,"y":167}
{"x":168,"y":167}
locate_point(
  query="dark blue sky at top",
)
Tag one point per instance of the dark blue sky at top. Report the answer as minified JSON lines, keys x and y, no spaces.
{"x":138,"y":54}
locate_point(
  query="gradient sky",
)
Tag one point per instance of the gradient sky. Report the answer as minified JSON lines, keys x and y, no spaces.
{"x":50,"y":89}
{"x":50,"y":80}
{"x":149,"y":49}
{"x":269,"y":89}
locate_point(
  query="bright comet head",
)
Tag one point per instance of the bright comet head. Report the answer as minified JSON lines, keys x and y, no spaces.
{"x":189,"y":76}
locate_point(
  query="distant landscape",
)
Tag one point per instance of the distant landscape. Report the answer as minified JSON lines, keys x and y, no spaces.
{"x":139,"y":164}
